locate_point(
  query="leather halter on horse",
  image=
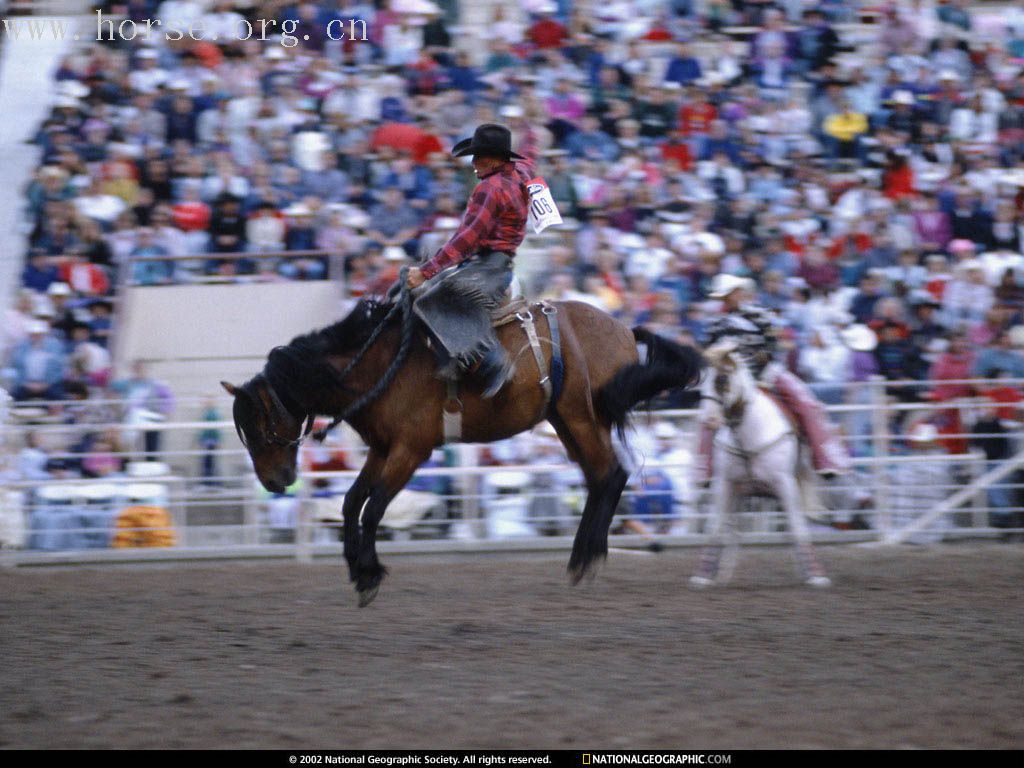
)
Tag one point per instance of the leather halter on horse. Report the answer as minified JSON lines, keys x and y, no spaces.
{"x":272,"y":436}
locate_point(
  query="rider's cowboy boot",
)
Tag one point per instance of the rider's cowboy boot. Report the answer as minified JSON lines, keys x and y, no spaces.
{"x":828,"y":455}
{"x":494,"y":371}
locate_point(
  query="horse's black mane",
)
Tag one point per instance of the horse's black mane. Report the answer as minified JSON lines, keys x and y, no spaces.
{"x":349,"y":333}
{"x":299,"y":370}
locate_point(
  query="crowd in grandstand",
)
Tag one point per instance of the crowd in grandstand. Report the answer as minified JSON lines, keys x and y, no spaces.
{"x":868,"y":177}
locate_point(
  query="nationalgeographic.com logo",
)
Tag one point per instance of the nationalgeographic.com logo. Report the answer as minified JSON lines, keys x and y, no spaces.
{"x":669,"y":758}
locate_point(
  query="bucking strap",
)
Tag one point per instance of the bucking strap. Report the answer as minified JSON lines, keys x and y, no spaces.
{"x":526,"y":321}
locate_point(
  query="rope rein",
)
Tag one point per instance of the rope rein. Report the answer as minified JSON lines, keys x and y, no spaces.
{"x":403,"y":305}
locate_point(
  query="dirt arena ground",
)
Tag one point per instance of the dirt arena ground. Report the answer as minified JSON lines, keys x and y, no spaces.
{"x":913,"y":647}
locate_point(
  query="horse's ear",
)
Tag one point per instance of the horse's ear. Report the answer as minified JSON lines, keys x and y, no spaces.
{"x":230,"y":388}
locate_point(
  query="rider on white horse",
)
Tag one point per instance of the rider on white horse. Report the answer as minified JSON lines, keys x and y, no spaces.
{"x":752,"y":329}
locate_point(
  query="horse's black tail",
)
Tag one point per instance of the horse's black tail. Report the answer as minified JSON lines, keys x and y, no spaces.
{"x":668,"y":366}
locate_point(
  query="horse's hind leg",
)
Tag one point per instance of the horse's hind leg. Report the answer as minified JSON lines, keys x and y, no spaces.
{"x":590,"y":445}
{"x":811,"y":571}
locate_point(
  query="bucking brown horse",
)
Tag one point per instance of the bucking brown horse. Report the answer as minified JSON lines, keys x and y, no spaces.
{"x":375,"y":370}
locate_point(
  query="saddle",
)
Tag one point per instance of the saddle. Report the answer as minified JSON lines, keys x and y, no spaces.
{"x":551,"y":378}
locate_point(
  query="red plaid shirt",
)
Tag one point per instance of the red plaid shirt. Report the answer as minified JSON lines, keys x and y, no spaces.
{"x":495,"y":218}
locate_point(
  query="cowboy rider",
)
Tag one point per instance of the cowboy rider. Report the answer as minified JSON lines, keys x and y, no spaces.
{"x":481,"y":252}
{"x":752,"y":329}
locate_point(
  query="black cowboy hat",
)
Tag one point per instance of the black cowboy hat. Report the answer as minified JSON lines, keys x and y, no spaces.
{"x":488,"y":139}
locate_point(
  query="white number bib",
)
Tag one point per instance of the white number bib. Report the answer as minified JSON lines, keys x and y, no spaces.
{"x":543,"y":211}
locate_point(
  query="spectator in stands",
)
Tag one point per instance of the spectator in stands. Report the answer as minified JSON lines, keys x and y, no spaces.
{"x":209,"y":440}
{"x":991,"y":434}
{"x":227,"y":235}
{"x":921,"y":484}
{"x":147,"y":401}
{"x":100,"y":311}
{"x":146,"y":272}
{"x":88,"y":362}
{"x":999,"y":358}
{"x":31,"y":463}
{"x":843,"y":131}
{"x":39,"y":363}
{"x":393,"y":223}
{"x":683,"y":68}
{"x":40,"y":272}
{"x":301,"y":236}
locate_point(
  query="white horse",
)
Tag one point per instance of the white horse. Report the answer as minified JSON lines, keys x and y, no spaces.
{"x":756,"y":447}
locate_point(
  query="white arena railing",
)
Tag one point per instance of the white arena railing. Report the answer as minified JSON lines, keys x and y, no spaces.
{"x":160,"y":507}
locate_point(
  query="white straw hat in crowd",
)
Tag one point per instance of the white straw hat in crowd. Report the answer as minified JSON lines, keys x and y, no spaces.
{"x":298,"y":209}
{"x":724,"y":284}
{"x":859,"y":338}
{"x":923,"y":433}
{"x":73,"y":88}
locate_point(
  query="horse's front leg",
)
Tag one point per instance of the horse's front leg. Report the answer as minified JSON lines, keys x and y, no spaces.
{"x":353,"y":506}
{"x":397,"y":469}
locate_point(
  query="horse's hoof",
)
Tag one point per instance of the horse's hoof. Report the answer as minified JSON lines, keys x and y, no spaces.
{"x":578,"y":574}
{"x":819,"y":582}
{"x":366,"y":596}
{"x":701,"y":582}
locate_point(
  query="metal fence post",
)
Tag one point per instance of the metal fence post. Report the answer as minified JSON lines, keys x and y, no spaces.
{"x":250,"y":514}
{"x":303,"y":524}
{"x":880,"y":450}
{"x":976,"y":467}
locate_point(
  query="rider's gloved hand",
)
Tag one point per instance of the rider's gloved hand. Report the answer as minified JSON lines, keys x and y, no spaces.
{"x":415,"y":278}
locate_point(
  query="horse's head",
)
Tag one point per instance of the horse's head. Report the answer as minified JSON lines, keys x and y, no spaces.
{"x":731,"y":381}
{"x":271,"y":433}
